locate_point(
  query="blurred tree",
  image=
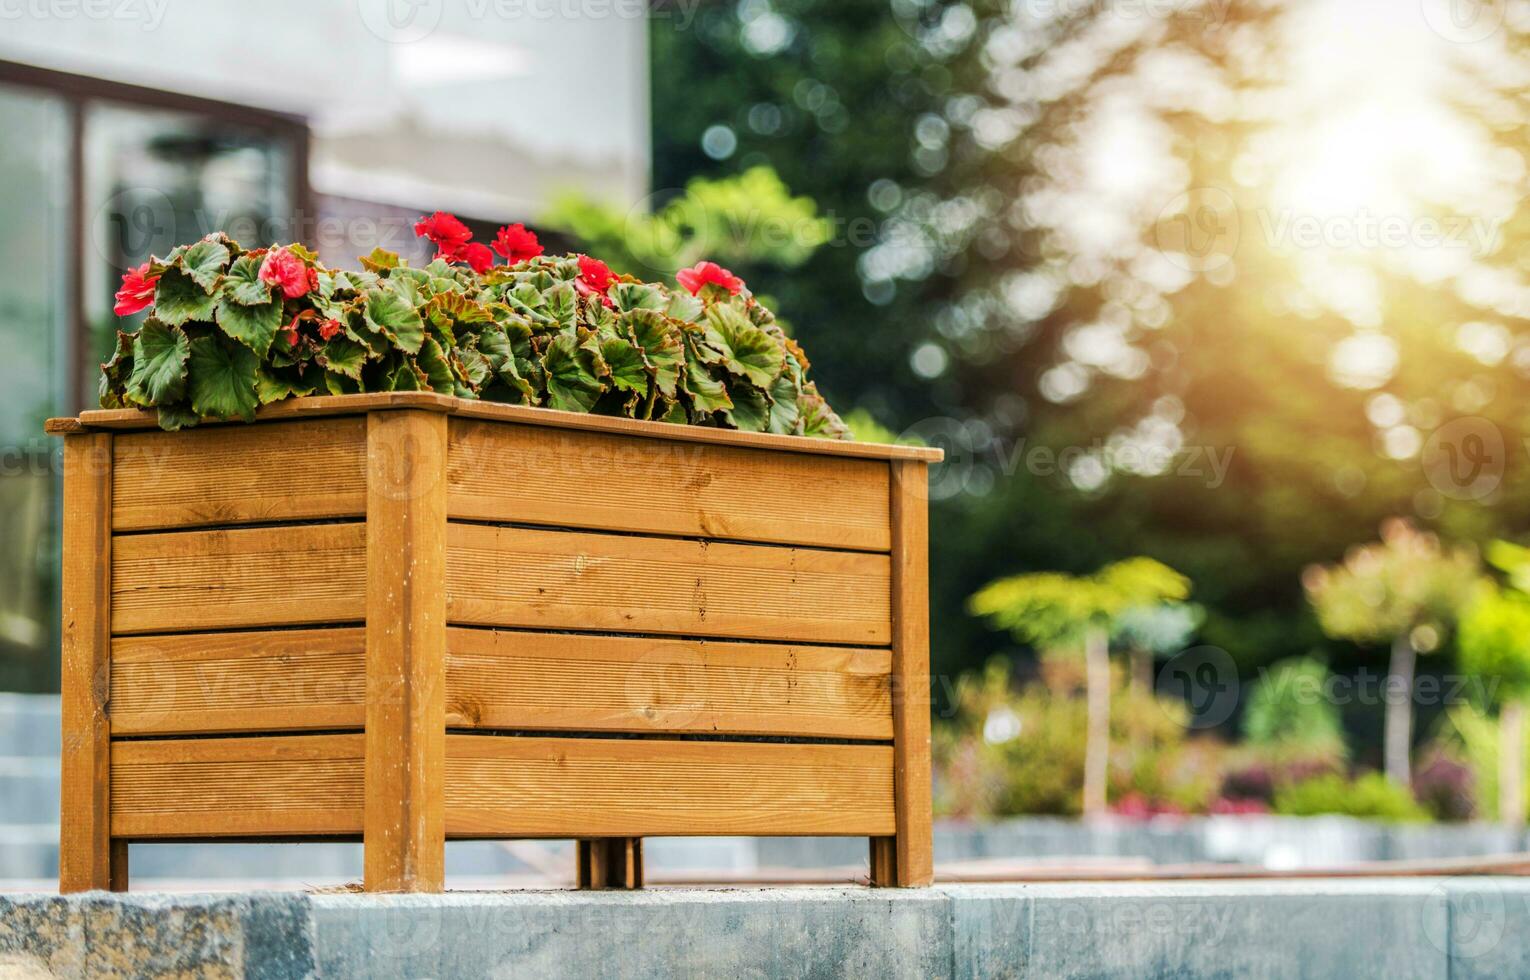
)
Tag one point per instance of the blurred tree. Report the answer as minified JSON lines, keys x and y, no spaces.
{"x":1149,"y":632}
{"x":1494,"y":646}
{"x":1055,"y":611}
{"x":1404,"y":589}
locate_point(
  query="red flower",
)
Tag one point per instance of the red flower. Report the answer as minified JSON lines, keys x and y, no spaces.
{"x":137,"y":291}
{"x":477,"y":256}
{"x":447,"y":233}
{"x":281,"y":268}
{"x":292,"y":330}
{"x":328,"y":329}
{"x":708,"y":273}
{"x":517,"y":244}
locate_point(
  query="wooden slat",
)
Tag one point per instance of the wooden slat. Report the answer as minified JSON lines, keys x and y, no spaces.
{"x":560,"y":787}
{"x":237,"y":787}
{"x":267,"y":576}
{"x":499,"y":576}
{"x":318,"y":406}
{"x":914,"y":849}
{"x":85,"y":853}
{"x":271,"y":681}
{"x":297,"y":471}
{"x":406,"y":651}
{"x":574,"y":682}
{"x":569,"y":478}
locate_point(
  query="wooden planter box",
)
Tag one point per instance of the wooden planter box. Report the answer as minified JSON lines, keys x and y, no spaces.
{"x":404,"y":618}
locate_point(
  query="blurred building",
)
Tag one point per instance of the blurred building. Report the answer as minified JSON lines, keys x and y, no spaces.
{"x":129,"y":126}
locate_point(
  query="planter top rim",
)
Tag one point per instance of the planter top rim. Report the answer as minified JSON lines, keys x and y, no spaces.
{"x":313,"y":406}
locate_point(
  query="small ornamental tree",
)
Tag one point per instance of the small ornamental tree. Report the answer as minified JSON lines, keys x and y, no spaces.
{"x":233,"y":329}
{"x":1405,"y":590}
{"x":1056,"y":611}
{"x":1494,"y":645}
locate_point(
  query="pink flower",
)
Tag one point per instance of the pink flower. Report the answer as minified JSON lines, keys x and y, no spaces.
{"x":137,"y":291}
{"x":281,"y":268}
{"x":328,"y":329}
{"x":708,"y":273}
{"x":517,"y":244}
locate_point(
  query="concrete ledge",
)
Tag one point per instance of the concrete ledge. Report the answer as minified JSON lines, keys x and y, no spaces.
{"x":1466,"y":927}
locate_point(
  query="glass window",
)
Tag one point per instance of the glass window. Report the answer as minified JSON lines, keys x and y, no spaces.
{"x":33,"y":368}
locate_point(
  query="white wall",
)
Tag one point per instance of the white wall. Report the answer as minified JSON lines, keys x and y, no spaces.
{"x":480,"y":106}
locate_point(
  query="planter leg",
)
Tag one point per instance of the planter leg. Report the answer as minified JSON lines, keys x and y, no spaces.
{"x":610,"y":862}
{"x":404,"y":824}
{"x":87,"y":854}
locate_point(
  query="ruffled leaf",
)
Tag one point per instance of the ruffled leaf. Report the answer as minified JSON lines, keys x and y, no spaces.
{"x":160,"y":354}
{"x":223,"y":377}
{"x":178,"y":299}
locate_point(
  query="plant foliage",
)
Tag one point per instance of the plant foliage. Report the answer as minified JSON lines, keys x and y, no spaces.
{"x":226,"y":334}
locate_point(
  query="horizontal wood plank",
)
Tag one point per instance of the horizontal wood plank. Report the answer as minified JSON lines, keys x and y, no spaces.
{"x":565,"y":477}
{"x":229,"y":579}
{"x":560,"y":787}
{"x":302,"y":470}
{"x":321,"y":405}
{"x":577,"y":682}
{"x":271,"y":681}
{"x":237,"y":787}
{"x":519,"y":577}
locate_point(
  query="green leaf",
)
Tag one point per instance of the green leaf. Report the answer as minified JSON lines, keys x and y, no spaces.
{"x":392,"y":314}
{"x":562,"y":304}
{"x":408,"y":377}
{"x":159,"y":364}
{"x":707,"y":393}
{"x":344,"y":356}
{"x":253,"y":326}
{"x":273,"y":387}
{"x":747,"y":350}
{"x":112,"y":386}
{"x":204,"y":263}
{"x":243,"y":284}
{"x":684,"y":306}
{"x":432,"y":361}
{"x":661,"y":345}
{"x":637,"y":296}
{"x":177,"y":299}
{"x":625,"y":363}
{"x":784,"y":411}
{"x":750,"y":411}
{"x":379,"y":259}
{"x":173,"y":418}
{"x":223,"y":379}
{"x":572,"y":381}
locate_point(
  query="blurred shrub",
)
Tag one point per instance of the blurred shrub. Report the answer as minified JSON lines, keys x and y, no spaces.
{"x":1006,"y":752}
{"x":1469,"y":736}
{"x":1370,"y":795}
{"x":1289,"y":709}
{"x":1446,"y":787}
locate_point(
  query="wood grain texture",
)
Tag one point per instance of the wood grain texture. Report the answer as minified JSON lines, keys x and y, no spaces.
{"x":271,"y":681}
{"x":228,"y":579}
{"x":569,"y":478}
{"x":296,"y":471}
{"x":518,"y":577}
{"x":914,"y":849}
{"x":317,"y":406}
{"x":575,"y":682}
{"x":560,"y":787}
{"x":85,"y":788}
{"x":237,"y":787}
{"x":405,"y":651}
